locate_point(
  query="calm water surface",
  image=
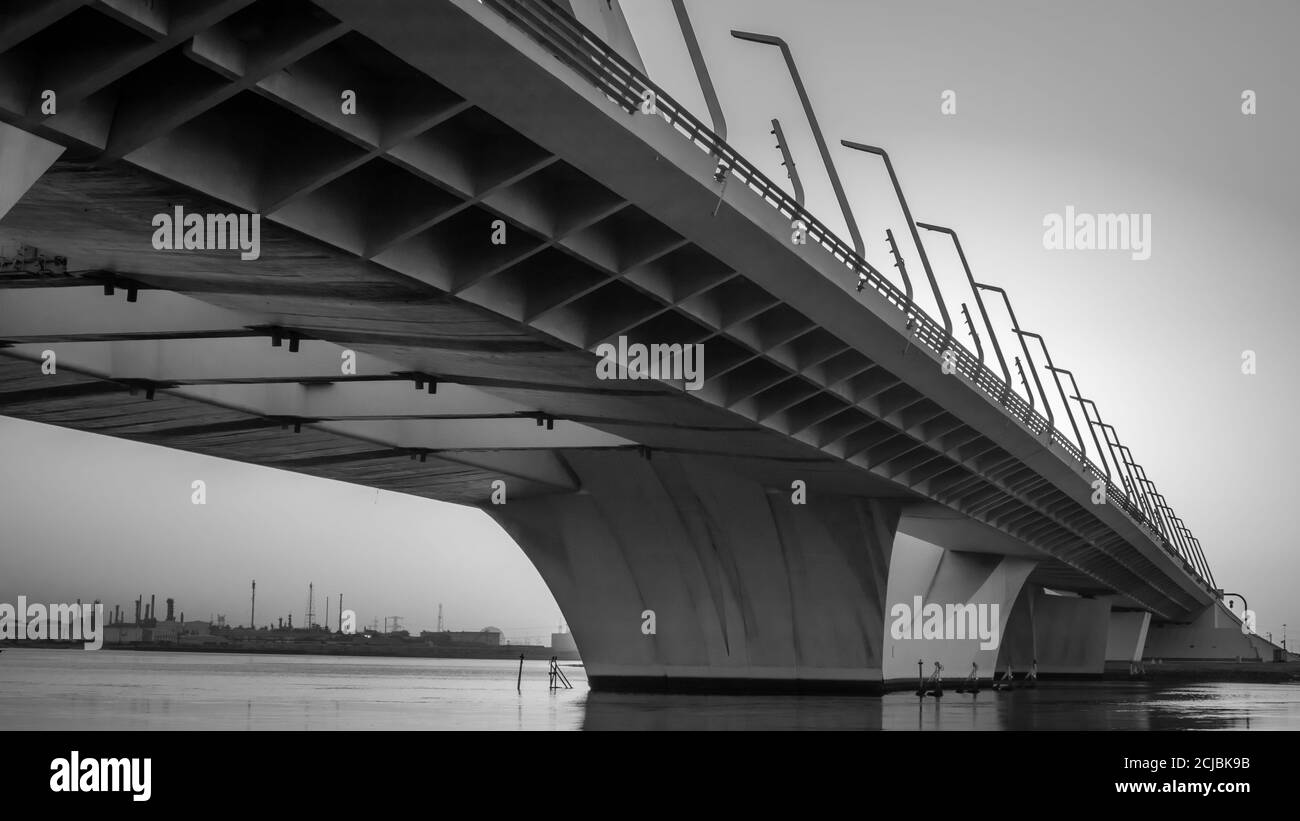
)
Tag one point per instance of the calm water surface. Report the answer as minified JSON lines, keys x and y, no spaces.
{"x":112,"y":690}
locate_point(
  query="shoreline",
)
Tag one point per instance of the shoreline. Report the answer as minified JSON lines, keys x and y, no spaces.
{"x":1167,"y":672}
{"x":505,"y":652}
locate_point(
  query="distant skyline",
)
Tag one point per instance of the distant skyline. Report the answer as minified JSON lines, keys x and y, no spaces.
{"x":89,"y":516}
{"x":1109,"y":107}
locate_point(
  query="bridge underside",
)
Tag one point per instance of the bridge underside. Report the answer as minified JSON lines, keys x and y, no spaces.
{"x":472,"y":361}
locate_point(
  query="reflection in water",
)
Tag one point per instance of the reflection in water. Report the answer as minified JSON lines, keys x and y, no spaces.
{"x":1052,"y":706}
{"x":635,"y":711}
{"x":75,"y":690}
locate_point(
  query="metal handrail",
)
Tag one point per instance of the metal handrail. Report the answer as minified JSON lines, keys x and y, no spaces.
{"x":580,"y":49}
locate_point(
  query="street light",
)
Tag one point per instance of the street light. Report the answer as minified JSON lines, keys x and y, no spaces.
{"x":1015,"y":326}
{"x":1043,"y":343}
{"x":1123,"y":458}
{"x":836,"y":185}
{"x":701,"y":69}
{"x":1196,"y":551}
{"x":1083,"y":406}
{"x":1244,"y":605}
{"x":979,"y":301}
{"x":911,"y":226}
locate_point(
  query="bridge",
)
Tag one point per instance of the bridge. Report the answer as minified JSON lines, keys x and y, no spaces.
{"x":459,"y":205}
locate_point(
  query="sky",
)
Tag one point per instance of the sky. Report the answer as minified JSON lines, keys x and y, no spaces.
{"x":1109,"y":107}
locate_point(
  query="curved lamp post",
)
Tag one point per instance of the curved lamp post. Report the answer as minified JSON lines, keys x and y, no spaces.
{"x":979,"y":300}
{"x":1043,"y":343}
{"x":1015,"y":326}
{"x":701,"y":69}
{"x":836,"y":185}
{"x":1092,"y":431}
{"x":911,"y":226}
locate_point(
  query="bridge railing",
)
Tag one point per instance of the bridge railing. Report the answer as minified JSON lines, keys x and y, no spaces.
{"x":606,"y":69}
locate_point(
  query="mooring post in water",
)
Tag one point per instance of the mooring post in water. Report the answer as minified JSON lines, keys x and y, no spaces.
{"x":519,"y":682}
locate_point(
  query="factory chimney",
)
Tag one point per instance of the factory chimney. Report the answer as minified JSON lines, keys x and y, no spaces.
{"x":138,"y":599}
{"x":171,"y":616}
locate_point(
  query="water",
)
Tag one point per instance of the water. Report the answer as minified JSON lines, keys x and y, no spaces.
{"x":132,"y":690}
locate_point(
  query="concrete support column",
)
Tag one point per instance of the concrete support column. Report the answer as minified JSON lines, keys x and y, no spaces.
{"x":1062,"y":635}
{"x":674,"y":573}
{"x":1215,"y":634}
{"x":1126,"y":636}
{"x":947,"y":606}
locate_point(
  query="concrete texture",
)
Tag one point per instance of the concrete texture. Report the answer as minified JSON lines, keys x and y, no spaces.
{"x":748,"y":589}
{"x":946,"y":577}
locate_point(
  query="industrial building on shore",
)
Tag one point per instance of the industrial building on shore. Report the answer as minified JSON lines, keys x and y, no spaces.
{"x":147,"y":631}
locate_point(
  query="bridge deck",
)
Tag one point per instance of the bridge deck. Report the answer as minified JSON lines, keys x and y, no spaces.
{"x":376,"y":239}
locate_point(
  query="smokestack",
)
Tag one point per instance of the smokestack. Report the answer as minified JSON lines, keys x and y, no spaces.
{"x":138,"y":599}
{"x":153,"y":607}
{"x":171,"y":616}
{"x":252,"y":609}
{"x":340,"y":612}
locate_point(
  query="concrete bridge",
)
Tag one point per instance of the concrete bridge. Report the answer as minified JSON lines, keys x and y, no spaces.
{"x":458,"y":204}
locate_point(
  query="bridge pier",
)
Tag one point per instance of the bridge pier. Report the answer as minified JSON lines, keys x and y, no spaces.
{"x":964,"y":589}
{"x":1126,"y":636}
{"x":675,"y":574}
{"x":1214,"y":634}
{"x":1062,"y":635}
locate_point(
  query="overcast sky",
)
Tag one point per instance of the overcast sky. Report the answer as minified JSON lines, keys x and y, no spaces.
{"x":1110,"y":107}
